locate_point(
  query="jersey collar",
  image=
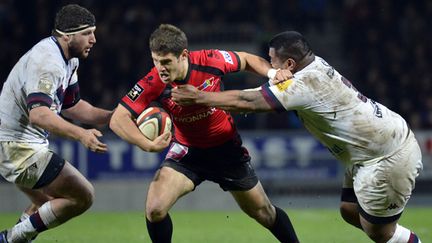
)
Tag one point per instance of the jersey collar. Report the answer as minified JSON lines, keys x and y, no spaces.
{"x":60,"y":48}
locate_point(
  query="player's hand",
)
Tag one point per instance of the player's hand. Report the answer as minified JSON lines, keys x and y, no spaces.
{"x":89,"y":139}
{"x":185,"y":94}
{"x":281,"y":75}
{"x":161,"y":142}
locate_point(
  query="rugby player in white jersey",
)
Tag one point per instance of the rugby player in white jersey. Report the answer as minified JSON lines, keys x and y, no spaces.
{"x":380,"y":152}
{"x":41,"y":85}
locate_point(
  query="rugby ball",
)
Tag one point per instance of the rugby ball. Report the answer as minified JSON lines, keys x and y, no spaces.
{"x":153,"y":122}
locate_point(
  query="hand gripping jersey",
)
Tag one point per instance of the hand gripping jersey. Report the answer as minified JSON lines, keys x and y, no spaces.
{"x":42,"y":77}
{"x":196,"y":126}
{"x":356,"y":129}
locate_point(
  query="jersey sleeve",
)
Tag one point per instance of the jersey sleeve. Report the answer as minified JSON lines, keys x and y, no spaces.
{"x":226,"y":61}
{"x":42,"y":81}
{"x":145,"y":91}
{"x":291,"y":94}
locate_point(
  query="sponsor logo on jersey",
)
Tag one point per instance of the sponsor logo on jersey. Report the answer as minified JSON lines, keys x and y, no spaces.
{"x":135,"y":92}
{"x":45,"y":85}
{"x":284,"y":85}
{"x":207,"y":83}
{"x":227,"y":57}
{"x":196,"y":117}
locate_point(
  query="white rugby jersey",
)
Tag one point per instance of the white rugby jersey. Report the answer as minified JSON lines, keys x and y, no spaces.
{"x":42,"y":77}
{"x":353,"y":127}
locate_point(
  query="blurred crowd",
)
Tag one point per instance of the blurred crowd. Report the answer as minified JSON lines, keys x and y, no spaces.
{"x":382,"y":45}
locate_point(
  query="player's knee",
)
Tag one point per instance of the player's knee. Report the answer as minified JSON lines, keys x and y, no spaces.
{"x":349,"y":212}
{"x":84,"y":200}
{"x":155,"y":212}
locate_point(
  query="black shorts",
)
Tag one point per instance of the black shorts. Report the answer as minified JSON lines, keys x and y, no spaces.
{"x":55,"y":165}
{"x":227,"y":164}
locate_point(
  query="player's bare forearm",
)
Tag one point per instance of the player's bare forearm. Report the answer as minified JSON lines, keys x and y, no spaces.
{"x":232,"y":100}
{"x":235,"y":100}
{"x":124,"y":126}
{"x":86,"y":113}
{"x":253,"y":63}
{"x":44,"y":118}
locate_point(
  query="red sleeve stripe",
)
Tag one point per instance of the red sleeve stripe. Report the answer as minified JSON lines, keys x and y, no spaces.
{"x":38,"y":99}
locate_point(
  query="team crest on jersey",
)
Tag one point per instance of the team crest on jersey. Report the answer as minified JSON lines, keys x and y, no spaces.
{"x":227,"y":57}
{"x":207,"y":83}
{"x":135,"y":92}
{"x":45,"y":85}
{"x":284,"y":85}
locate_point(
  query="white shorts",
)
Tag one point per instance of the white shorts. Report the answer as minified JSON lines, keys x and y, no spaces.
{"x":23,"y":163}
{"x":383,"y":189}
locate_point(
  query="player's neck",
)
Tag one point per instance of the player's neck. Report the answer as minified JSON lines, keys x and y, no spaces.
{"x":306,"y":61}
{"x":185,"y":69}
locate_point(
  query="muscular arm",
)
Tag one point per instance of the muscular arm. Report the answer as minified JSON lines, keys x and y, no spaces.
{"x":123,"y":124}
{"x":253,"y":63}
{"x":261,"y":66}
{"x":88,"y":114}
{"x":44,"y":118}
{"x":231,"y":100}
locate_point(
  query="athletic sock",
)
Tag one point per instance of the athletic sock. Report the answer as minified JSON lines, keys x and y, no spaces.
{"x":160,"y":232}
{"x":41,"y":220}
{"x":282,"y":228}
{"x":23,"y":217}
{"x":403,"y":235}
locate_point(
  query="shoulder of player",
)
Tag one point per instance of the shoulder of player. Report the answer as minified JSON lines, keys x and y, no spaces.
{"x":152,"y":79}
{"x":210,"y":56}
{"x":42,"y":62}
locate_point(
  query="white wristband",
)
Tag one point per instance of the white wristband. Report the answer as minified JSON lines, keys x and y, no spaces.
{"x":271,"y":73}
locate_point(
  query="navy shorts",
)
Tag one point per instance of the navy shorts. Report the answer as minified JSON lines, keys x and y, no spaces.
{"x":227,"y":165}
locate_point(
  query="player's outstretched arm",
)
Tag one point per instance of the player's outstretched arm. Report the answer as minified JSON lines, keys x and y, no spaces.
{"x":261,"y":66}
{"x":86,"y":113}
{"x":44,"y":118}
{"x":231,"y":100}
{"x":123,"y":124}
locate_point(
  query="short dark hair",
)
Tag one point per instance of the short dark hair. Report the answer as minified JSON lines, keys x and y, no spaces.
{"x":72,"y":17}
{"x":168,"y":38}
{"x":290,"y":44}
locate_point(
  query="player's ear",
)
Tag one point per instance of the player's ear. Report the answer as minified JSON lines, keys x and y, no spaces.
{"x":66,"y":38}
{"x":290,"y":64}
{"x":184,"y":55}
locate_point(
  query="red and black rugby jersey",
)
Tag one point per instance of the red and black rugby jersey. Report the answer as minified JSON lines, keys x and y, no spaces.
{"x":196,"y":126}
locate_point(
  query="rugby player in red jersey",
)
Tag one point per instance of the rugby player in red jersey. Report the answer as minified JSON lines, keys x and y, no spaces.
{"x":206,"y":145}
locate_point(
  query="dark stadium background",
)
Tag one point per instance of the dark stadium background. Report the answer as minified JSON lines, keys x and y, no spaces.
{"x":383,"y":47}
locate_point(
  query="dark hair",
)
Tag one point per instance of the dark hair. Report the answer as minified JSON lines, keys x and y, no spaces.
{"x":168,"y":39}
{"x":290,"y":44}
{"x":73,"y":17}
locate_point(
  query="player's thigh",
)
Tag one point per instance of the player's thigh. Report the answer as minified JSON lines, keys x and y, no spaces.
{"x":70,"y":184}
{"x":167,"y":186}
{"x":383,"y":189}
{"x":253,"y":200}
{"x":36,"y":196}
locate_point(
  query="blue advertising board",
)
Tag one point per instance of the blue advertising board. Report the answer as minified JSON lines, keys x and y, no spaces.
{"x":275,"y":156}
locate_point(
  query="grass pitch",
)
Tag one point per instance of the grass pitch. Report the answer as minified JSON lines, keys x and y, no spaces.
{"x":312,"y":226}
